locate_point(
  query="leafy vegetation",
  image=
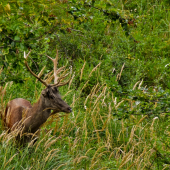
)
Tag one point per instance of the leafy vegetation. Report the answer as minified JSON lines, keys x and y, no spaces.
{"x":118,"y":52}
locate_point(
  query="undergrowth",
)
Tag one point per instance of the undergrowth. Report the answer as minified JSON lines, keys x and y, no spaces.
{"x":94,"y":135}
{"x":119,"y":89}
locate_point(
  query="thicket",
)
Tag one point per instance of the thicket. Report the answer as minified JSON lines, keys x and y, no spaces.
{"x":119,"y":55}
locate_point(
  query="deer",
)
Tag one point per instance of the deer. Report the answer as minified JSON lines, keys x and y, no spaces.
{"x":20,"y":113}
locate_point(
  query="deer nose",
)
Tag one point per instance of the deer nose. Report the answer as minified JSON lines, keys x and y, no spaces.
{"x":69,"y":109}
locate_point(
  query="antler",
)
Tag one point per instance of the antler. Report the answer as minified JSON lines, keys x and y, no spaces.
{"x":57,"y":71}
{"x":26,"y":64}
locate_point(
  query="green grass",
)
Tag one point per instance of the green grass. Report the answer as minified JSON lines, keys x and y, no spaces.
{"x":92,"y":137}
{"x":119,"y":93}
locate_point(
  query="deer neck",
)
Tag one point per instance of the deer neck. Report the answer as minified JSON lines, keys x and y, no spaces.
{"x":36,"y":116}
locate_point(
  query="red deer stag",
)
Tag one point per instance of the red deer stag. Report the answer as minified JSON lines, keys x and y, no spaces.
{"x":32,"y":117}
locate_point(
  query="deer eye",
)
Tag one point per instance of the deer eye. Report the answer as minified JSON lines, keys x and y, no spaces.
{"x":51,"y":96}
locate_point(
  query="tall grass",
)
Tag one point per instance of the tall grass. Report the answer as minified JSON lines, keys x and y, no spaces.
{"x":117,"y":122}
{"x":92,"y":136}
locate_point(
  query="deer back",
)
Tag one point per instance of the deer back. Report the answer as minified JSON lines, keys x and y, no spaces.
{"x":14,"y":111}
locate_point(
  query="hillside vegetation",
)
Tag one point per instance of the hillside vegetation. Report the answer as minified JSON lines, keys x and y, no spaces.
{"x":118,"y":54}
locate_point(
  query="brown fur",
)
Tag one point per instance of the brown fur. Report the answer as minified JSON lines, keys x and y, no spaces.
{"x":16,"y":107}
{"x":33,"y":117}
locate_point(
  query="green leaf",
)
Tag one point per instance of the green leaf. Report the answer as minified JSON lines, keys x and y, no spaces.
{"x":16,"y":38}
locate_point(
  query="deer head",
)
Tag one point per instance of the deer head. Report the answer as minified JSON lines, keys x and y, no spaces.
{"x":53,"y":101}
{"x":50,"y":96}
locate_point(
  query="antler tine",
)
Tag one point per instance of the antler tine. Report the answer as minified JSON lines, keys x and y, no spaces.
{"x":58,"y":84}
{"x":55,"y":66}
{"x":60,"y":69}
{"x":62,"y":84}
{"x":51,"y":77}
{"x":26,"y":64}
{"x":57,"y":71}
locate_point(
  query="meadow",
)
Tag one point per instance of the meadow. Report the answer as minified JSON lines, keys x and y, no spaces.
{"x":119,"y":58}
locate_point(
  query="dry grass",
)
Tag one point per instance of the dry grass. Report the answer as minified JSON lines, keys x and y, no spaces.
{"x":89,"y":138}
